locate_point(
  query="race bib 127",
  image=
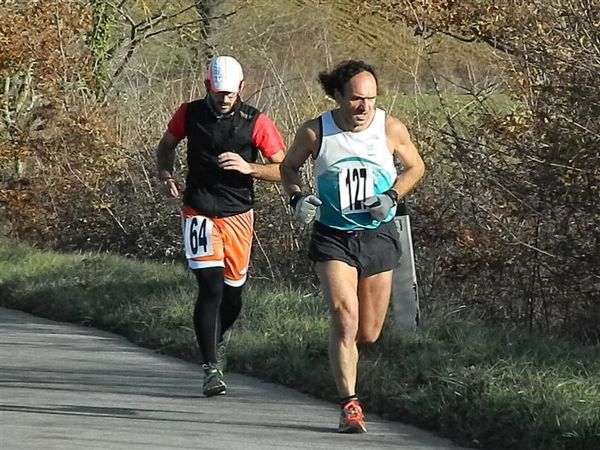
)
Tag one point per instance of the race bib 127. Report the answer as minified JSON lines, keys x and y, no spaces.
{"x":355,"y":185}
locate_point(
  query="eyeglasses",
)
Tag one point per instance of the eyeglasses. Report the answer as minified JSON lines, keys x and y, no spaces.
{"x":223,"y":94}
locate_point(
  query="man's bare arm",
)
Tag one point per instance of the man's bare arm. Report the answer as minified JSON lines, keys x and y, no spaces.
{"x":269,"y":171}
{"x":265,"y":172}
{"x":305,"y":143}
{"x":165,"y":163}
{"x":165,"y":155}
{"x":399,"y":141}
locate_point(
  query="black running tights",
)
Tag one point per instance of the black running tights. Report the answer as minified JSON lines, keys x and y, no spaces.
{"x":217,"y":308}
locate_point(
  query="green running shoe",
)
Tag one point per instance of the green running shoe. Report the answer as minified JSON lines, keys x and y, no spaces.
{"x":222,"y":351}
{"x":222,"y":356}
{"x":213,"y":381}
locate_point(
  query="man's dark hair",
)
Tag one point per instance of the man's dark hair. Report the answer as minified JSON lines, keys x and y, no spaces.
{"x":339,"y":76}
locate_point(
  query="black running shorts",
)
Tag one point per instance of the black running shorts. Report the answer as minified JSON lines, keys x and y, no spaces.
{"x":370,"y":251}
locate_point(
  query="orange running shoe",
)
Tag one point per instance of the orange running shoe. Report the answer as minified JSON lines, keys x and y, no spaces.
{"x":352,"y":419}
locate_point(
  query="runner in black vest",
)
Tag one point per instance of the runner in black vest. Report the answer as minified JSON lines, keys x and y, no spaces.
{"x":224,"y":137}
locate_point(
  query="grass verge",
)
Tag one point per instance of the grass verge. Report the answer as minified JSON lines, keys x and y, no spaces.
{"x":485,"y":388}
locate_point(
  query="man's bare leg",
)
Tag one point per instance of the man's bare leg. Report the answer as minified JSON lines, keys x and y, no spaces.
{"x":374,"y":295}
{"x":339,"y":282}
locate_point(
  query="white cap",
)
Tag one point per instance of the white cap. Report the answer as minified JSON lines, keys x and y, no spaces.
{"x":225,"y":74}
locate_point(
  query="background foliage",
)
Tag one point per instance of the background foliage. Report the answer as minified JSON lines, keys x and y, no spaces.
{"x":501,"y":98}
{"x":525,"y":185}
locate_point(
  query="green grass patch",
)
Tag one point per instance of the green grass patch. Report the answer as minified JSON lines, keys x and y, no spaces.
{"x":486,"y":388}
{"x":461,"y":109}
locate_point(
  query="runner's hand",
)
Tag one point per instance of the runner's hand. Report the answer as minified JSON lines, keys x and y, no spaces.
{"x":234,"y":161}
{"x":379,"y":206}
{"x":305,"y":207}
{"x":169,"y":187}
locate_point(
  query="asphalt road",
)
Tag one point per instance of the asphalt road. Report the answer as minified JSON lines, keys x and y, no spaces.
{"x":67,"y":387}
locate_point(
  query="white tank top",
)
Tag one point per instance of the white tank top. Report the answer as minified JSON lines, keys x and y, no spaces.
{"x":350,"y":167}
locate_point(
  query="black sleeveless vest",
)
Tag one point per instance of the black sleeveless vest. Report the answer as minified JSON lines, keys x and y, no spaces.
{"x":210,"y":190}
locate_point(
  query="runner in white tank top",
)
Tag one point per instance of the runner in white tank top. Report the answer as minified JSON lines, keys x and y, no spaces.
{"x":354,"y":242}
